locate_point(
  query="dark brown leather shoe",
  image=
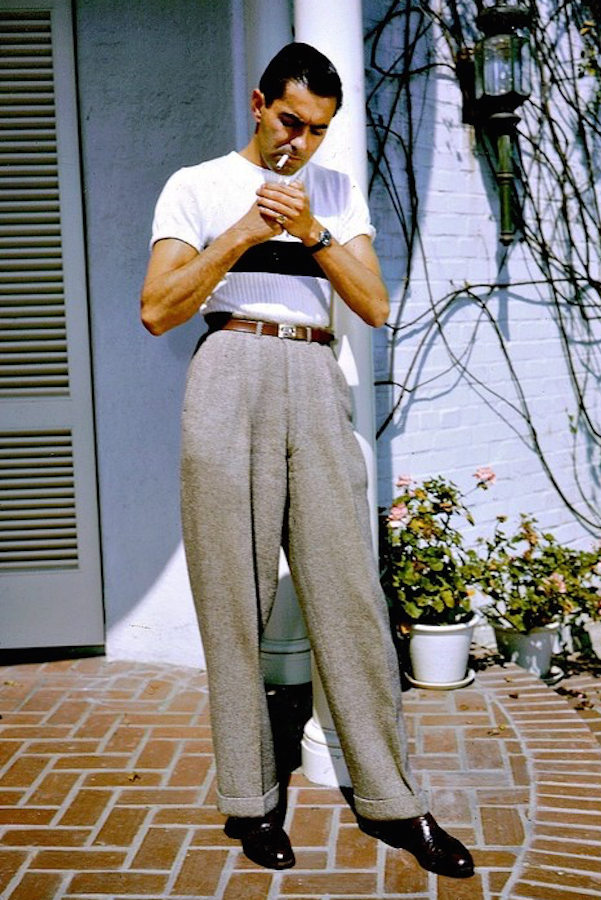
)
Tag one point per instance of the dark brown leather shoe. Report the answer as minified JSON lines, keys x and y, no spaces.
{"x":434,"y":849}
{"x":263,"y":839}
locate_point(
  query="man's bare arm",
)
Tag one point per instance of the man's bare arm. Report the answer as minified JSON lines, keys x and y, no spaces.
{"x":353,"y":271}
{"x":179,"y":279}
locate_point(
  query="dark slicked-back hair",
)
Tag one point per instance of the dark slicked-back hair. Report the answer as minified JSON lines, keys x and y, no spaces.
{"x":305,"y":65}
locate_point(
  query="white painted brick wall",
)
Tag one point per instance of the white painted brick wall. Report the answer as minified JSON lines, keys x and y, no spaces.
{"x":451,"y":423}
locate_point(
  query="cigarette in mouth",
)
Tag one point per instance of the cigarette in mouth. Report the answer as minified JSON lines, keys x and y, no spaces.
{"x":282,"y":161}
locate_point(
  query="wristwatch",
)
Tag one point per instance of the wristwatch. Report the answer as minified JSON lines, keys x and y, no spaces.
{"x":325,"y":239}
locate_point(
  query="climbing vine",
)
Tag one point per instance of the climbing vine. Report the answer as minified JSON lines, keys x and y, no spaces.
{"x":557,"y":202}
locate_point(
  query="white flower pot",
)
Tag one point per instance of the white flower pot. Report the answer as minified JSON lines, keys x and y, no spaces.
{"x":439,"y":653}
{"x":531,"y":651}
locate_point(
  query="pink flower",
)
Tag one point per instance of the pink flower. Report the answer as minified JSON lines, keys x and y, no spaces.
{"x":485,"y":476}
{"x":398,"y":515}
{"x":404,"y":481}
{"x":558,"y":581}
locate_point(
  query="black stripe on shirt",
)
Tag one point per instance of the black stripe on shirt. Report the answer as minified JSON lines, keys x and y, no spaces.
{"x":280,"y":257}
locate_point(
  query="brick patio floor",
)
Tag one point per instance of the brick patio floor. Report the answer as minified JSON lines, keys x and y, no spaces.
{"x":107,"y":792}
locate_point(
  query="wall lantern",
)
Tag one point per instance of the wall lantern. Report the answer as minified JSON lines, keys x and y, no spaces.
{"x":501,"y":84}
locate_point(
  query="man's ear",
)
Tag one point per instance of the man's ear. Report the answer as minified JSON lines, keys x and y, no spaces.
{"x":257,"y":104}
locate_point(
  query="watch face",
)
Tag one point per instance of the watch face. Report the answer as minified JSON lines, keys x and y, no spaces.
{"x":325,"y":239}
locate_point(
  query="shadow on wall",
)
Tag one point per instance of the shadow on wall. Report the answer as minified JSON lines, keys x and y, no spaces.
{"x":154,"y":95}
{"x":402,"y":114}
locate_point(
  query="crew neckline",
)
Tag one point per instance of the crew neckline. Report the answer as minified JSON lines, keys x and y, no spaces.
{"x":266,"y":169}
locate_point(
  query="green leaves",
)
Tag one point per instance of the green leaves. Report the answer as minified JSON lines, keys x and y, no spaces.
{"x":532,"y":580}
{"x":423,"y":560}
{"x":528,"y":577}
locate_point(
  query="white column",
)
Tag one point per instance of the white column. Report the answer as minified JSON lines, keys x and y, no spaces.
{"x":335,"y":27}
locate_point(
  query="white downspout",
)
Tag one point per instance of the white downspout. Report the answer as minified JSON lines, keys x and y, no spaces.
{"x":336,"y":28}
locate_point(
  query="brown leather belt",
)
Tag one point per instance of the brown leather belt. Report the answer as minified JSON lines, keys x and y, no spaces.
{"x":308,"y":333}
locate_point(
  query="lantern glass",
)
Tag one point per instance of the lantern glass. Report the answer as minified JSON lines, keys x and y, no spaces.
{"x":502,"y":68}
{"x":497,"y":72}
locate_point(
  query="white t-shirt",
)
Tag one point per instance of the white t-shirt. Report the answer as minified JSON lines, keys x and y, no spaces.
{"x":278,"y":280}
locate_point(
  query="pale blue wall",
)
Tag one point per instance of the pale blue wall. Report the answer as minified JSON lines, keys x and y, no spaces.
{"x":155,"y":92}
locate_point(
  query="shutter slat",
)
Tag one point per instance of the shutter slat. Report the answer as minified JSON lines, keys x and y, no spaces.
{"x":27,"y":451}
{"x":29,"y":386}
{"x":42,"y":509}
{"x":41,"y":204}
{"x":32,"y":231}
{"x":31,"y":254}
{"x":27,"y":159}
{"x":45,"y":559}
{"x":10,"y":352}
{"x":26,"y":246}
{"x":47,"y":350}
{"x":18,"y":85}
{"x":18,"y":186}
{"x":45,"y":530}
{"x":15,"y":135}
{"x":26,"y":336}
{"x":39,"y":322}
{"x":30,"y":372}
{"x":35,"y":499}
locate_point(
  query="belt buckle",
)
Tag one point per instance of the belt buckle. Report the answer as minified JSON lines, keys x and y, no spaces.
{"x":286,"y":331}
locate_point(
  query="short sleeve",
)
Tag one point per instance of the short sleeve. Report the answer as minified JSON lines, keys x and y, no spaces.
{"x":356,"y":219}
{"x":176,"y":213}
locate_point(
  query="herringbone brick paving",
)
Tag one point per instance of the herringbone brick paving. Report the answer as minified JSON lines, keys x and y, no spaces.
{"x":107,"y":792}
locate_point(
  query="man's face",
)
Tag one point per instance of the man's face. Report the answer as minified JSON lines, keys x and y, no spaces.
{"x":295,"y":124}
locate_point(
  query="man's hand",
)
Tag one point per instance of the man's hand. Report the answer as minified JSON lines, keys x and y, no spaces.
{"x":257,"y":226}
{"x":288,"y":205}
{"x":353,"y":269}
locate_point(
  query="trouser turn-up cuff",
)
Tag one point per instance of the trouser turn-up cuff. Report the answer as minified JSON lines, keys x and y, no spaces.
{"x":243,"y":807}
{"x":392,"y":808}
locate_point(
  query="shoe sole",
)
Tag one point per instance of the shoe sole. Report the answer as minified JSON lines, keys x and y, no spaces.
{"x":289,"y":864}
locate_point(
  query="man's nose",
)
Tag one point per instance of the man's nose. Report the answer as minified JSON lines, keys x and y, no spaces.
{"x":299,"y":141}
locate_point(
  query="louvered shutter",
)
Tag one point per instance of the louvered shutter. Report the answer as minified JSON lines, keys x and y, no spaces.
{"x":50,"y":587}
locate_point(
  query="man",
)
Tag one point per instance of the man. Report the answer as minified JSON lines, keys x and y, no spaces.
{"x":257,"y":241}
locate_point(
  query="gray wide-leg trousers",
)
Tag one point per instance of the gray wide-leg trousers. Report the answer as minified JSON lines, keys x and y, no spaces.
{"x":269,"y":458}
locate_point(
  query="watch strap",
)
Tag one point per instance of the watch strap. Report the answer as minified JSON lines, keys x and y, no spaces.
{"x":325,"y":239}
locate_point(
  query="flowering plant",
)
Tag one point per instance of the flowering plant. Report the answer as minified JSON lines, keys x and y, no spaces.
{"x":531,"y":580}
{"x":425,"y":570}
